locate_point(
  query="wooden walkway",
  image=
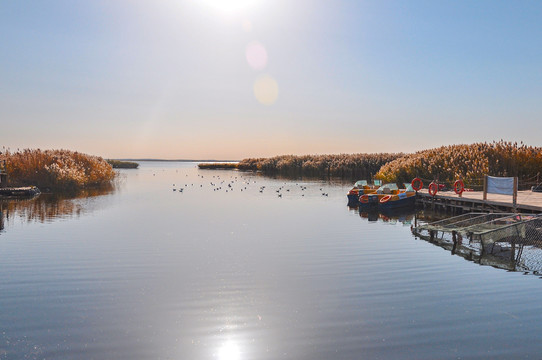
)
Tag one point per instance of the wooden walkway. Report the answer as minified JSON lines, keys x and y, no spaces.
{"x":528,"y":201}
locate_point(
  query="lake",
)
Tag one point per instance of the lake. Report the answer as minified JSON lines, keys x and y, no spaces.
{"x":241,"y":266}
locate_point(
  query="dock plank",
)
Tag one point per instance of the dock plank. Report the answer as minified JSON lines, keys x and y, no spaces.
{"x":526,"y":200}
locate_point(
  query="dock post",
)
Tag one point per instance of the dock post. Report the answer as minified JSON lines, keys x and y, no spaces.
{"x":513,"y":254}
{"x":515,"y":194}
{"x":454,"y":238}
{"x":485,"y":187}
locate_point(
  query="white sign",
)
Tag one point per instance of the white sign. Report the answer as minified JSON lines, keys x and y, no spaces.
{"x":500,"y":185}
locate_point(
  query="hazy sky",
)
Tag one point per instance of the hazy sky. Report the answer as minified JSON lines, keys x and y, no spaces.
{"x":229,"y":79}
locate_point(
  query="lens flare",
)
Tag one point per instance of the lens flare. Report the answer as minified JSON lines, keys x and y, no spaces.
{"x":256,"y":55}
{"x":266,"y":90}
{"x":247,"y":25}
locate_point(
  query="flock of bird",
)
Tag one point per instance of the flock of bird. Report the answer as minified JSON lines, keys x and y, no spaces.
{"x":243,"y":184}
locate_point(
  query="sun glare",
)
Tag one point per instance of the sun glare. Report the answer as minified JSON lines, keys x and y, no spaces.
{"x":230,"y":6}
{"x":229,"y":351}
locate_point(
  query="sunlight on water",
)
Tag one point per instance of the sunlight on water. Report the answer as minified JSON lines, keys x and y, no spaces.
{"x":229,"y":351}
{"x":182,"y":263}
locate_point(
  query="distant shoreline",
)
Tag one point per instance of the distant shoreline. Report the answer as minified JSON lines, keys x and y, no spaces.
{"x":179,"y":160}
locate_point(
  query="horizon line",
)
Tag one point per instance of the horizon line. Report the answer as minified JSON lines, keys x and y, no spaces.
{"x":177,"y":160}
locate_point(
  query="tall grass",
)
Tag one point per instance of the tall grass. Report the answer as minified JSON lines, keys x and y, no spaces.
{"x":446,"y":164}
{"x":217,"y":166}
{"x":57,"y":170}
{"x":119,"y":164}
{"x":468,"y":162}
{"x":349,"y":166}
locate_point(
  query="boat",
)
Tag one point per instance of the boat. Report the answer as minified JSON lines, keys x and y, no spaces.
{"x":17,"y":192}
{"x":361,"y":187}
{"x":389,"y":196}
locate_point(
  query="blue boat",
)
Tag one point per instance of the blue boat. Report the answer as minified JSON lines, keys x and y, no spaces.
{"x":361,"y":187}
{"x":389,"y":196}
{"x":403,"y":200}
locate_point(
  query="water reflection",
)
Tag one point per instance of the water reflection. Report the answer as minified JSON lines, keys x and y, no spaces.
{"x":392,"y":216}
{"x":229,"y":351}
{"x":244,"y":274}
{"x":512,"y":254}
{"x":498,"y":256}
{"x":513,"y":250}
{"x":47,"y":207}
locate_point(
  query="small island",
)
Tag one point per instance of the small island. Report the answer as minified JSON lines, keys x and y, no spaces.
{"x":121,"y":164}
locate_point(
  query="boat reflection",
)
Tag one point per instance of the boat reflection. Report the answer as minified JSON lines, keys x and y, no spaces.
{"x":392,"y":216}
{"x":47,"y":207}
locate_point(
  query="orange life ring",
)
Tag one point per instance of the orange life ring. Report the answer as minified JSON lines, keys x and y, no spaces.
{"x":459,"y":187}
{"x":364,"y":199}
{"x":433,"y":189}
{"x":418,"y":182}
{"x":385,"y":199}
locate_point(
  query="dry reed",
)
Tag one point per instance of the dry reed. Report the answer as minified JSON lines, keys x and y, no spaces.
{"x":350,"y":166}
{"x":467,"y":162}
{"x":217,"y":166}
{"x":57,"y":170}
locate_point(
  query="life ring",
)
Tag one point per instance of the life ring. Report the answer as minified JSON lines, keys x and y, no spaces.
{"x":385,"y":199}
{"x":459,"y":187}
{"x":364,"y":199}
{"x":433,"y":189}
{"x":417,"y":184}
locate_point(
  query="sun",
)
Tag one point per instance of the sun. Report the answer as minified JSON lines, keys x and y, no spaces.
{"x":230,"y":6}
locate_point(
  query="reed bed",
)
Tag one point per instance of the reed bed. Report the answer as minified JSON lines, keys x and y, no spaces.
{"x":57,"y":170}
{"x":119,"y":164}
{"x":467,"y":162}
{"x":217,"y":166}
{"x":348,"y":166}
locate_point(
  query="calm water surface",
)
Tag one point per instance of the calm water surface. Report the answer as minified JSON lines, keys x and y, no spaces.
{"x":146,"y":272}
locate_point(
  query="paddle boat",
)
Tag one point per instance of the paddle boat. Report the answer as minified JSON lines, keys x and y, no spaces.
{"x":389,"y":196}
{"x":403,"y":198}
{"x":361,"y":187}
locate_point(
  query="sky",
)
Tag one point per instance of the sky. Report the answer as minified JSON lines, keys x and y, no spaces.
{"x":231,"y":79}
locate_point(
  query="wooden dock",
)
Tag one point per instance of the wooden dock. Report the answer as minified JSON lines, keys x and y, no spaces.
{"x":527,"y":202}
